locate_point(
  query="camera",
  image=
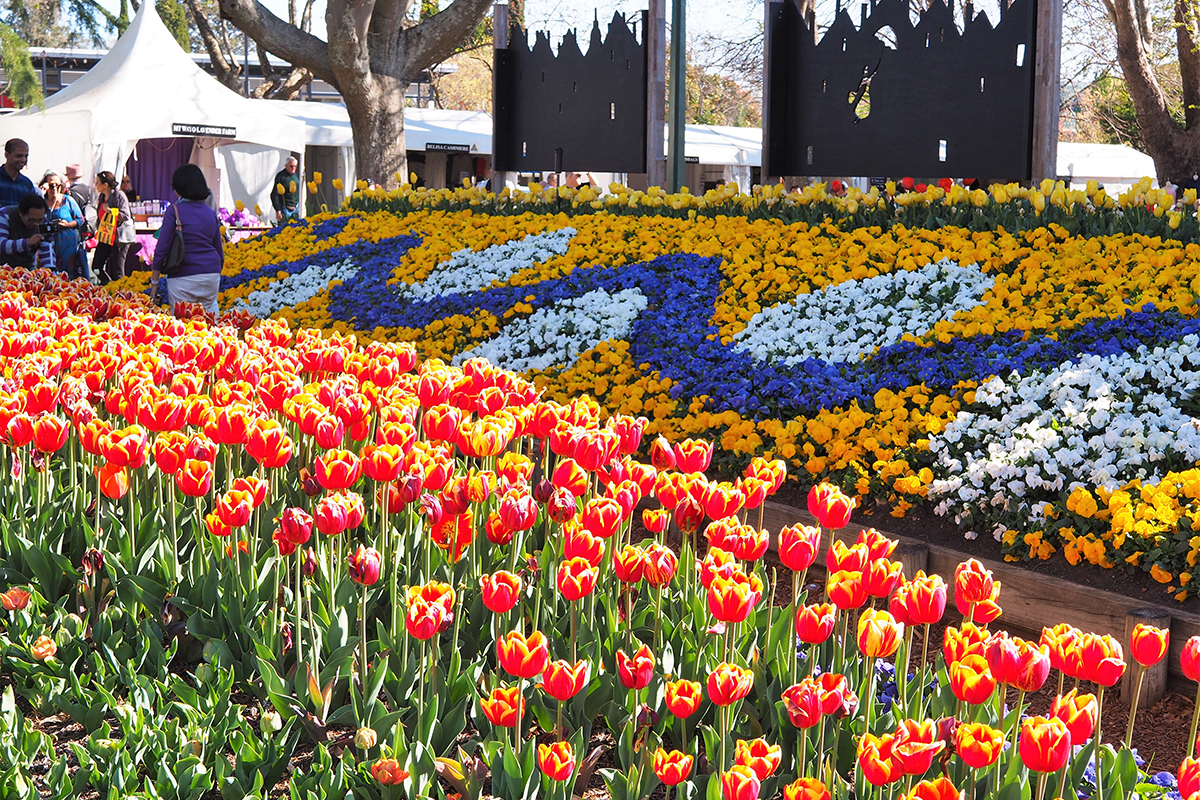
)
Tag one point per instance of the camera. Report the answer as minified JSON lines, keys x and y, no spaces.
{"x":49,"y":228}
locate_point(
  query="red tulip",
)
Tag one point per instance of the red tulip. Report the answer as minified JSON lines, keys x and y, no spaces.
{"x":576,"y":578}
{"x":1102,"y":658}
{"x":602,"y":517}
{"x":1045,"y":744}
{"x":114,"y":481}
{"x":504,"y":707}
{"x":1078,"y":711}
{"x":49,"y":433}
{"x":978,"y":745}
{"x":661,"y":564}
{"x":672,"y":768}
{"x":729,"y":683}
{"x":936,"y":789}
{"x":759,"y":756}
{"x":875,"y":759}
{"x":878,"y":546}
{"x":365,"y":564}
{"x":739,"y":783}
{"x":635,"y":672}
{"x":805,"y":789}
{"x":692,"y":455}
{"x":798,"y":546}
{"x":1017,"y":662}
{"x":562,"y":680}
{"x":501,"y":591}
{"x":814,"y":623}
{"x":971,"y":680}
{"x":338,"y":469}
{"x":683,"y":697}
{"x":296,"y":525}
{"x":1189,"y":659}
{"x":802,"y":701}
{"x":656,"y":519}
{"x":879,"y":634}
{"x":195,"y":478}
{"x":1189,"y":777}
{"x":1148,"y":644}
{"x":387,"y":771}
{"x":958,"y":643}
{"x":840,"y":558}
{"x":556,"y":760}
{"x":523,"y":657}
{"x":629,"y":564}
{"x":926,"y":598}
{"x":732,"y":599}
{"x":882,"y":577}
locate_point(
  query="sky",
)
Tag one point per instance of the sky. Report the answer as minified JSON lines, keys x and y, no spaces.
{"x":731,"y":17}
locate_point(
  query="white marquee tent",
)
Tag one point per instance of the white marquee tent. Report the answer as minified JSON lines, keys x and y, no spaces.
{"x":144,"y":88}
{"x":1116,"y":166}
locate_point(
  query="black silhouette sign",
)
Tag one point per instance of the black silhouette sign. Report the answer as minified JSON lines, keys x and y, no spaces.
{"x":571,"y":112}
{"x":890,"y":97}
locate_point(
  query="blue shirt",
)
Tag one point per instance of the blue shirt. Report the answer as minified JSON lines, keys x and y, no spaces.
{"x":13,"y":189}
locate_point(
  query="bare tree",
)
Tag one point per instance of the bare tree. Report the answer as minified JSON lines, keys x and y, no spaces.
{"x":375,"y":49}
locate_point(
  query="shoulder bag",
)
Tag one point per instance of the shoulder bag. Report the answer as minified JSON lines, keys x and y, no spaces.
{"x":177,"y":253}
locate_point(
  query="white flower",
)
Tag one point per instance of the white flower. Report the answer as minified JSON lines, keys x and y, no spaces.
{"x":296,"y":288}
{"x":471,"y":271}
{"x":848,"y":321}
{"x":558,"y":334}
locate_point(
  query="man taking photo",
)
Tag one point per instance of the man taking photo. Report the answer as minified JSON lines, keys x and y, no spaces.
{"x":14,"y":185}
{"x":286,"y":197}
{"x":22,"y":243}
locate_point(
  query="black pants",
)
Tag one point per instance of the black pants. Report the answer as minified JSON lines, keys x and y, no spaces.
{"x":108,"y":261}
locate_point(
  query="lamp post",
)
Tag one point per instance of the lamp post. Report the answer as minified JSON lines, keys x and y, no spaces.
{"x":677,"y":102}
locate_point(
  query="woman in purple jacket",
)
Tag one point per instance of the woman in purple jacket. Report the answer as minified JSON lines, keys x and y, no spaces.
{"x":198,"y":279}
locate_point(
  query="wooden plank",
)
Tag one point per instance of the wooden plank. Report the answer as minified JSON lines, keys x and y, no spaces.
{"x":656,"y":77}
{"x":1030,"y":600}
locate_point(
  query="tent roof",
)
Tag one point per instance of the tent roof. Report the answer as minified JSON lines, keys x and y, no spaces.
{"x":724,"y":144}
{"x":329,"y":124}
{"x":1115,"y":163}
{"x":146,"y":83}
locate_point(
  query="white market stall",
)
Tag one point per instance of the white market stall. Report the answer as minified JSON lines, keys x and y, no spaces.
{"x":1115,"y":166}
{"x":147,"y":99}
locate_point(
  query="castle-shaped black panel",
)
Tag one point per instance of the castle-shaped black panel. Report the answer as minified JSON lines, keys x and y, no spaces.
{"x":942,"y":103}
{"x":593,"y":107}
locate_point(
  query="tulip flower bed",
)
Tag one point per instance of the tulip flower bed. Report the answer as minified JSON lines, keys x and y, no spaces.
{"x":962,"y":349}
{"x":439,"y":584}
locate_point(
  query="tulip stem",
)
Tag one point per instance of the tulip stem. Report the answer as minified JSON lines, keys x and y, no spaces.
{"x":924,"y":656}
{"x":870,"y":699}
{"x":297,"y":634}
{"x":1191,"y":742}
{"x":362,"y":643}
{"x":1062,"y":782}
{"x":793,"y":656}
{"x":1041,"y":786}
{"x":1133,"y":706}
{"x":902,"y":668}
{"x":1016,"y":728}
{"x":1096,"y":739}
{"x":574,"y":626}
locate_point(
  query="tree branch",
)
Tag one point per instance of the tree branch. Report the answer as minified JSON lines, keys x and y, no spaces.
{"x":227,"y":72}
{"x":286,"y":41}
{"x":434,"y":40}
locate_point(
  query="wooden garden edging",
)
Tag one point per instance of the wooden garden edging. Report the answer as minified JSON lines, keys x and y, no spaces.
{"x":1030,"y":601}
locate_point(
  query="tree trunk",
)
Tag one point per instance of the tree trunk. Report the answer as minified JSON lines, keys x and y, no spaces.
{"x":376,"y":112}
{"x":1175,"y":150}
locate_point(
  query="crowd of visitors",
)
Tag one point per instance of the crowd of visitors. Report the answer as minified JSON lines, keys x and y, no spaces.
{"x":55,"y":223}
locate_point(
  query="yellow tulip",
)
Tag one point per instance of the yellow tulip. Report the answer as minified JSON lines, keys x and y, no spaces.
{"x":239,"y":205}
{"x":337,"y":184}
{"x":317,"y":178}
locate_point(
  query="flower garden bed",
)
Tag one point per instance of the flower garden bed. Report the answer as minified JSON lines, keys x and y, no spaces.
{"x":1024,"y":360}
{"x":227,"y":545}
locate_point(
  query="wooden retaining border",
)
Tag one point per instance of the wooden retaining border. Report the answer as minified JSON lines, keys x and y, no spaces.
{"x":1030,"y":601}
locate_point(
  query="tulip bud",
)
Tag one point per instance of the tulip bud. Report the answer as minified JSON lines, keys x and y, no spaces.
{"x":365,"y":739}
{"x":309,"y":567}
{"x":270,"y":723}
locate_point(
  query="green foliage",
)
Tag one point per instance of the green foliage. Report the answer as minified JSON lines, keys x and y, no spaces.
{"x":175,"y":16}
{"x":24,"y":86}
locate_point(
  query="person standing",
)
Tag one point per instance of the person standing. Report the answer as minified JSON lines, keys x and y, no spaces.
{"x":128,"y":190}
{"x":14,"y":185}
{"x":286,"y":197}
{"x":83,"y":193}
{"x":21,"y":242}
{"x":115,"y":230}
{"x":198,"y":278}
{"x":63,"y":208}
